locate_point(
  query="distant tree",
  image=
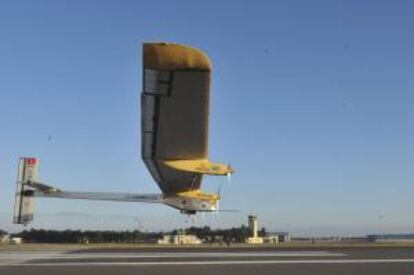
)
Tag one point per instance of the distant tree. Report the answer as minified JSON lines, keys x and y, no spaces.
{"x":244,"y":233}
{"x":262,"y":232}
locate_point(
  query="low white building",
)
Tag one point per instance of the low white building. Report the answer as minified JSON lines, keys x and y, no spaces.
{"x":10,"y":240}
{"x":271,"y":239}
{"x":254,"y":240}
{"x":5,"y":239}
{"x":179,"y":239}
{"x":16,"y":240}
{"x":284,"y":237}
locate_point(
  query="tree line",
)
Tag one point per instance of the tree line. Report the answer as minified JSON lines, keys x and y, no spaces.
{"x":89,"y":236}
{"x":234,"y":235}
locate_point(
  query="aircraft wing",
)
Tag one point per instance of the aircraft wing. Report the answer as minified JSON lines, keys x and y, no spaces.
{"x":175,"y":114}
{"x":38,"y":189}
{"x":101,"y":196}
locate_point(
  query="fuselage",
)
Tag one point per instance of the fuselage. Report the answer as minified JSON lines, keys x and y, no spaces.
{"x":190,"y":202}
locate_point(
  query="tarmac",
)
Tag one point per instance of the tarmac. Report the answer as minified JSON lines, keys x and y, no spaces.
{"x":202,"y":260}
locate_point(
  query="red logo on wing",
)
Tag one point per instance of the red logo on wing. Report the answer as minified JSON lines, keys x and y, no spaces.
{"x":31,"y":161}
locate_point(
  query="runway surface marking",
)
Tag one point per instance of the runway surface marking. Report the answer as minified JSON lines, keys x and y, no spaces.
{"x":247,"y":262}
{"x":36,"y":255}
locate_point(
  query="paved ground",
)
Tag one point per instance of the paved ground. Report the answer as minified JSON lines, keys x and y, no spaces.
{"x":199,"y":261}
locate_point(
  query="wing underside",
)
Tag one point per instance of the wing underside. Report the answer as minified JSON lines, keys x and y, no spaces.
{"x":175,"y":112}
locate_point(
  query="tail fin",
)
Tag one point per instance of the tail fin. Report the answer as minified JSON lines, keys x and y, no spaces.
{"x":24,"y":200}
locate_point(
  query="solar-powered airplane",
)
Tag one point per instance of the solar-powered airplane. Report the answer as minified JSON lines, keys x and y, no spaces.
{"x":174,"y":134}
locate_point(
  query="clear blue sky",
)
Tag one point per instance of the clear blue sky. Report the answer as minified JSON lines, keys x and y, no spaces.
{"x":312,"y":103}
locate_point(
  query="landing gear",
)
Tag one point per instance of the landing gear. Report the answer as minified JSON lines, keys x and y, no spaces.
{"x":188,"y":212}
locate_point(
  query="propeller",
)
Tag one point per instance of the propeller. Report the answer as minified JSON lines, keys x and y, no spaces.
{"x":229,"y":178}
{"x":219,"y":188}
{"x":203,"y":216}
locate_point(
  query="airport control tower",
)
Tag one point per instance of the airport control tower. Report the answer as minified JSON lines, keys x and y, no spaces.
{"x":253,"y":226}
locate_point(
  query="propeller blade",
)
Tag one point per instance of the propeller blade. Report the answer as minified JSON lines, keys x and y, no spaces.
{"x":229,"y":178}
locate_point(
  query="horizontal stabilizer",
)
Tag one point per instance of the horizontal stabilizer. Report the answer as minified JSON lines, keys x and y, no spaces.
{"x":200,"y":166}
{"x":24,"y":199}
{"x":42,"y":187}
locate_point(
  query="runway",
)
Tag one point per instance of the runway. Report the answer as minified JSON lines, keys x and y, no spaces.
{"x":209,"y":261}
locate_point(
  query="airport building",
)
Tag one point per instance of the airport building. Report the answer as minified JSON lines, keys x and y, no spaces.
{"x":391,"y":238}
{"x":284,"y":237}
{"x":10,"y":239}
{"x":4,"y":238}
{"x":273,"y":239}
{"x":178,"y":239}
{"x":253,"y":226}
